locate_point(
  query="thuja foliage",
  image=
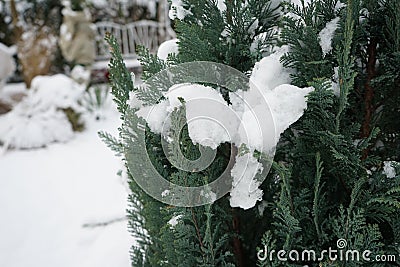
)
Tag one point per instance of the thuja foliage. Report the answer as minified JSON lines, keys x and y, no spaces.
{"x":327,"y":181}
{"x":330,"y":162}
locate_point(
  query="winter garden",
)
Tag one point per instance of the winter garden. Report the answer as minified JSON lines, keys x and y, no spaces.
{"x":199,"y":133}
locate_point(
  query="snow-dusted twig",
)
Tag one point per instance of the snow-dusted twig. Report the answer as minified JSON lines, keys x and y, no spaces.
{"x":104,"y":224}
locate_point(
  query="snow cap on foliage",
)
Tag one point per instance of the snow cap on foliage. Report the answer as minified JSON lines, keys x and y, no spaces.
{"x":388,"y":169}
{"x":174,"y":221}
{"x":270,"y":72}
{"x":271,"y":98}
{"x":245,"y":192}
{"x":210,"y":120}
{"x":287,"y":103}
{"x":255,"y":118}
{"x":177,"y":10}
{"x":221,"y":5}
{"x":81,"y":75}
{"x":166,"y":48}
{"x":326,"y":35}
{"x":339,"y":5}
{"x":155,"y":116}
{"x":270,"y":103}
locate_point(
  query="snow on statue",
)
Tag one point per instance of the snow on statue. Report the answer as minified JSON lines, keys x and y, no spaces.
{"x":7,"y":65}
{"x":77,"y":36}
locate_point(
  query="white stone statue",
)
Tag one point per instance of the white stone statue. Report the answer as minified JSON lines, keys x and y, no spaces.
{"x":77,"y":36}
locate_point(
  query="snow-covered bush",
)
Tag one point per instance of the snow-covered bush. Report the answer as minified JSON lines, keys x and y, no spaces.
{"x":329,"y":180}
{"x":242,"y":123}
{"x":39,"y":119}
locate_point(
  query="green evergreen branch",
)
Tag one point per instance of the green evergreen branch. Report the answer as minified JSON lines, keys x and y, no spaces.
{"x":113,"y":143}
{"x":346,"y":64}
{"x":151,"y":63}
{"x":121,"y":79}
{"x":317,"y":194}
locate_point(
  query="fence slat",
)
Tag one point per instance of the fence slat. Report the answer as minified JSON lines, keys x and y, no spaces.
{"x":144,"y":32}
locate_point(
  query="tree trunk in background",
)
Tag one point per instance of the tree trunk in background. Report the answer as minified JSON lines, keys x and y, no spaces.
{"x":15,"y":20}
{"x":36,"y":47}
{"x":36,"y":50}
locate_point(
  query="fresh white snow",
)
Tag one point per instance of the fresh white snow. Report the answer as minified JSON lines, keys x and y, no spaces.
{"x":38,"y":119}
{"x":177,"y":11}
{"x":166,"y":48}
{"x":388,"y":169}
{"x":335,"y":82}
{"x":155,"y":116}
{"x":47,"y":195}
{"x":339,"y":5}
{"x":174,"y":221}
{"x":326,"y":35}
{"x":221,"y":5}
{"x":269,"y":72}
{"x":245,"y":192}
{"x":255,"y":118}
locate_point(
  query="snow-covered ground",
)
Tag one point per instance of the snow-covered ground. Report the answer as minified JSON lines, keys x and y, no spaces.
{"x":49,"y":196}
